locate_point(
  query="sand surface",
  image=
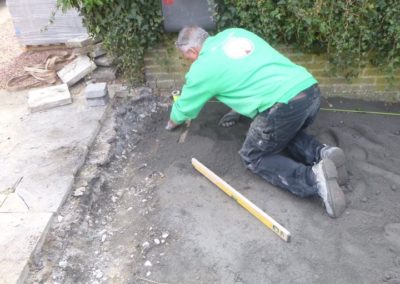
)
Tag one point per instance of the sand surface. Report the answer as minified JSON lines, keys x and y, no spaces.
{"x":211,"y":239}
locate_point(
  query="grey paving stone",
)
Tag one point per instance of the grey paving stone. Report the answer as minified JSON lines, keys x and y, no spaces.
{"x":98,"y":101}
{"x":95,"y":90}
{"x":50,"y":97}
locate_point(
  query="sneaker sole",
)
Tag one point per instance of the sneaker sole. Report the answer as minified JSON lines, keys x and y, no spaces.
{"x":339,"y":159}
{"x":334,"y":192}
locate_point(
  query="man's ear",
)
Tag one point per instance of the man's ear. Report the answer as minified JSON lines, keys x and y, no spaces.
{"x":195,"y":51}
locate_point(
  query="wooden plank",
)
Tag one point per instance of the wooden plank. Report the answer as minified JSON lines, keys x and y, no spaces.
{"x":45,"y":47}
{"x":243,"y":201}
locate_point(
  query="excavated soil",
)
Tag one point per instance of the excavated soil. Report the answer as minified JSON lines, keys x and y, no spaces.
{"x":146,"y":216}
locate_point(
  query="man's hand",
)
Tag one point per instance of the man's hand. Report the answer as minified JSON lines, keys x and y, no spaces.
{"x":171,"y":125}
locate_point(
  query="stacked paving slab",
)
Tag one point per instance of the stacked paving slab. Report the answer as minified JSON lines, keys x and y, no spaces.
{"x":92,"y":64}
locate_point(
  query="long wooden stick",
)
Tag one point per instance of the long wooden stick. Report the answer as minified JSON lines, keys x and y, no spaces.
{"x":243,"y":201}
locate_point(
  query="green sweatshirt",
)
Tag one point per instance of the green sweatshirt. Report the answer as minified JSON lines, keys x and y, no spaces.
{"x":242,"y":71}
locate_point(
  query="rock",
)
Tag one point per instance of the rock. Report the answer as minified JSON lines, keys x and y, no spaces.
{"x":79,"y":191}
{"x":146,"y":245}
{"x":394,"y":187}
{"x":76,"y":70}
{"x":157,"y":241}
{"x":98,"y":274}
{"x":47,"y":98}
{"x":103,"y":238}
{"x":60,"y":218}
{"x":364,"y":199}
{"x":104,"y":61}
{"x":63,"y":264}
{"x":148,"y":273}
{"x":165,"y":235}
{"x":98,"y":50}
{"x":80,"y":41}
{"x":104,"y":74}
{"x":148,"y":264}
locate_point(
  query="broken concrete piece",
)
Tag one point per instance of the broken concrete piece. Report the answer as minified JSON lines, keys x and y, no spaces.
{"x":98,"y":50}
{"x":79,"y":41}
{"x":76,"y":70}
{"x":104,"y":61}
{"x":46,"y":98}
{"x":104,"y":74}
{"x":96,"y":90}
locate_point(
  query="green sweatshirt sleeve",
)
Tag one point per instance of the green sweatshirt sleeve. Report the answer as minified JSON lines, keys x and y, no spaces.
{"x":195,"y":93}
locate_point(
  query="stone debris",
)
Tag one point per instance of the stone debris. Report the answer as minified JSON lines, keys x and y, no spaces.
{"x":60,"y":218}
{"x":63,"y":264}
{"x":47,"y":98}
{"x":148,"y":273}
{"x":98,"y":274}
{"x":148,"y":263}
{"x":165,"y":235}
{"x":76,"y":70}
{"x":79,"y":191}
{"x":157,"y":241}
{"x":103,"y":238}
{"x":146,"y":245}
{"x":80,"y":41}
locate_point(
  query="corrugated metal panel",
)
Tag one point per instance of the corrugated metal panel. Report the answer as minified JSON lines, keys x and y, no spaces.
{"x":30,"y":17}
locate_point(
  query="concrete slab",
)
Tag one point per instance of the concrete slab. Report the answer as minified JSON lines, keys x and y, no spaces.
{"x":76,"y":70}
{"x":45,"y":148}
{"x":21,"y":235}
{"x":50,"y":97}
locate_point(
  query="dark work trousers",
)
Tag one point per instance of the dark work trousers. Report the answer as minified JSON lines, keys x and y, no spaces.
{"x":283,"y":127}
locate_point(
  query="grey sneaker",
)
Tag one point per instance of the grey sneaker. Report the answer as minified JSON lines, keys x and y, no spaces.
{"x":328,"y":188}
{"x":336,"y":155}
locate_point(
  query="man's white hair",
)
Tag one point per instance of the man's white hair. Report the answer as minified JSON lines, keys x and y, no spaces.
{"x":191,"y":36}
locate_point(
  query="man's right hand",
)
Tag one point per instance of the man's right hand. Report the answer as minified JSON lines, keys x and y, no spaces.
{"x":171,"y":125}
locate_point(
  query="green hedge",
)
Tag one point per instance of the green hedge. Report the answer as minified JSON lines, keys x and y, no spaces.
{"x":352,"y":32}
